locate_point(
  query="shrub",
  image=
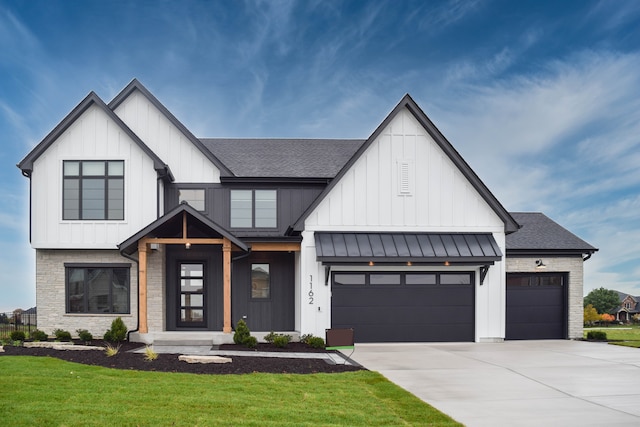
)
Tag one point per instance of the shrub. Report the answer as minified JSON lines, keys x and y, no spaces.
{"x":111,"y":350}
{"x":118,"y":331}
{"x":242,"y":332}
{"x":84,"y":335}
{"x":315,"y":342}
{"x":270,"y":337}
{"x":251,"y":342}
{"x":17,"y":336}
{"x":149,"y":354}
{"x":38,"y":335}
{"x":62,"y":335}
{"x":281,"y":340}
{"x":597,"y":335}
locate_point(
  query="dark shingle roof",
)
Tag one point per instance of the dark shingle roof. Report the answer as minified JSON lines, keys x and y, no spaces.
{"x":539,"y":232}
{"x":283,"y":158}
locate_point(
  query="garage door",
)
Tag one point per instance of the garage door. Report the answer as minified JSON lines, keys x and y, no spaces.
{"x":404,"y":307}
{"x":536,"y":306}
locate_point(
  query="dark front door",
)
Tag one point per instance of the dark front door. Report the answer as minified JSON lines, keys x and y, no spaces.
{"x":194,"y":288}
{"x":192,"y":295}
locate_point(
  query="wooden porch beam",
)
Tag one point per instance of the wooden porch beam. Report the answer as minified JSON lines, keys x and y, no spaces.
{"x":226,"y":280}
{"x":143,"y":327}
{"x":182,"y":241}
{"x":275,"y":246}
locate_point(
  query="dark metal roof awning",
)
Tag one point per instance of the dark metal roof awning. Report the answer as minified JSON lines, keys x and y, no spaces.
{"x":417,"y":248}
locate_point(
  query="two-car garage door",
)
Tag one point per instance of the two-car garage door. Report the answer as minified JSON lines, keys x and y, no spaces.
{"x":404,"y":307}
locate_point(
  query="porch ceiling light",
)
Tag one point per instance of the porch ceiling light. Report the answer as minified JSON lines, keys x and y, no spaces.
{"x":187,"y":245}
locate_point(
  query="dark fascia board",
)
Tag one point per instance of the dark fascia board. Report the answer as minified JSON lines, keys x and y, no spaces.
{"x":510,"y":224}
{"x":515,"y":253}
{"x":130,"y":245}
{"x":26,"y":165}
{"x":273,"y":180}
{"x":136,"y":85}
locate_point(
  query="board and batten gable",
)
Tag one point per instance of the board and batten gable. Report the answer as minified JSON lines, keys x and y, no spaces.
{"x":187,"y":162}
{"x":404,"y":182}
{"x":92,"y":136}
{"x":434,"y":196}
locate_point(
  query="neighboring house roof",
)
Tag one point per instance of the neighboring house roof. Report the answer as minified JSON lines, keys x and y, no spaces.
{"x":539,"y":234}
{"x":510,"y":224}
{"x":136,"y":85}
{"x":170,"y":225}
{"x":336,"y":248}
{"x":26,"y":165}
{"x":283,"y":158}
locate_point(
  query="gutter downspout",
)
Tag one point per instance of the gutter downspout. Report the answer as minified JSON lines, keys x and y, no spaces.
{"x":137,"y":299}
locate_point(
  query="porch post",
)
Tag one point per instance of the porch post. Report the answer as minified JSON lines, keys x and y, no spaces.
{"x":226,"y":278}
{"x":142,"y":287}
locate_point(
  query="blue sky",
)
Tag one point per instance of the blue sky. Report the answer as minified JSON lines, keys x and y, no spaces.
{"x":540,"y":97}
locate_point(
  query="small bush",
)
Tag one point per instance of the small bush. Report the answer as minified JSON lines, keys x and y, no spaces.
{"x":270,"y":337}
{"x":242,"y":332}
{"x":251,"y":342}
{"x":281,"y":340}
{"x":17,"y":336}
{"x":111,"y":350}
{"x":149,"y":354}
{"x":62,"y":335}
{"x":118,"y":331}
{"x":84,"y":335}
{"x":597,"y":335}
{"x":38,"y":335}
{"x":315,"y":342}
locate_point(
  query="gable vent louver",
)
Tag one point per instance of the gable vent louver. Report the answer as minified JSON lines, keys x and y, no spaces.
{"x":405,"y":178}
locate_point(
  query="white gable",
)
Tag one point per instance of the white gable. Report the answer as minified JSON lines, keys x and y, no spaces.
{"x":187,"y":162}
{"x":92,"y":136}
{"x":404,"y":181}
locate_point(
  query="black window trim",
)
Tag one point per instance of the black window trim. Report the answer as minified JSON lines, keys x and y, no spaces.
{"x":106,"y":178}
{"x":82,"y":265}
{"x":403,"y":280}
{"x":253,"y":208}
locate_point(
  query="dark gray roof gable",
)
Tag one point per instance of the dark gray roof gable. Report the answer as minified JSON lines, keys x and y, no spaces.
{"x":510,"y":224}
{"x":130,"y":246}
{"x":26,"y":165}
{"x":136,"y":85}
{"x":539,"y":234}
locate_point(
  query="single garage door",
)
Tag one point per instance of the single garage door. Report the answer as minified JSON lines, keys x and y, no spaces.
{"x":536,"y":306}
{"x":404,"y":307}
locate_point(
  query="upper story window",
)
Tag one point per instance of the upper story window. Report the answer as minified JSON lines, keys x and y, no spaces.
{"x":195,"y":197}
{"x":254,"y":208}
{"x":93,"y":190}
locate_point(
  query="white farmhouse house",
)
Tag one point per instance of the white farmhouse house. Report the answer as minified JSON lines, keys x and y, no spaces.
{"x":395,"y":236}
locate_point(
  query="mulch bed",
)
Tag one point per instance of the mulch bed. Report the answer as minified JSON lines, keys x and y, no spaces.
{"x":170,"y":363}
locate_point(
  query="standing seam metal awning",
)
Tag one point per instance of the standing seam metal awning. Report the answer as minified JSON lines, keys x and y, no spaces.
{"x":348,"y":248}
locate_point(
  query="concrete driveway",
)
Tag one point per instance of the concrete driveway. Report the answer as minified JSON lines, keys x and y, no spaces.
{"x":516,"y":383}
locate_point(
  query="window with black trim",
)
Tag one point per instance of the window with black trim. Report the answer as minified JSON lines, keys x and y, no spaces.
{"x":254,"y":208}
{"x":93,"y":190}
{"x":194,"y":196}
{"x":260,"y":281}
{"x":97,"y":288}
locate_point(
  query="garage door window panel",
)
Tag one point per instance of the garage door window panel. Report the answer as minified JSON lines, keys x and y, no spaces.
{"x":346,"y":279}
{"x":384,"y":279}
{"x":455,"y":279}
{"x":420,"y":279}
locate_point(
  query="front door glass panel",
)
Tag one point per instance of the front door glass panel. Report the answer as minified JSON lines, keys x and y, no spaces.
{"x":192,"y":294}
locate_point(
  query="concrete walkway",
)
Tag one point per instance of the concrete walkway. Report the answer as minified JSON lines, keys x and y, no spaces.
{"x":517,"y":383}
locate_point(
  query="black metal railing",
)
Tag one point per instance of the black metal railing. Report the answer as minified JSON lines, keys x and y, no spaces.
{"x":25,"y":321}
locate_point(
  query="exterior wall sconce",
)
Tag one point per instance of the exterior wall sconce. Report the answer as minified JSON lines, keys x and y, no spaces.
{"x":187,"y":245}
{"x":540,"y":265}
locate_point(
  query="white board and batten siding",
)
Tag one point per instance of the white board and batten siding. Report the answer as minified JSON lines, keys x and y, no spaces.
{"x":188,"y":164}
{"x":93,"y":136}
{"x":404,"y":182}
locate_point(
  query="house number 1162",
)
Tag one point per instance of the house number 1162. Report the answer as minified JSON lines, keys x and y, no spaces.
{"x":310,"y":294}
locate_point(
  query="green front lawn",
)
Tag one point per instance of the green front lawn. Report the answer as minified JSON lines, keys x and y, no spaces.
{"x":626,"y":335}
{"x":47,"y":391}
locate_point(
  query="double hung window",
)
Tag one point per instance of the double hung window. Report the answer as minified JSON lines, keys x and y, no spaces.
{"x":93,"y":190}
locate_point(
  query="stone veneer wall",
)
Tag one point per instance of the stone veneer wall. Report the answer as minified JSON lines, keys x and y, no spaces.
{"x":156,"y":286}
{"x":50,"y":292}
{"x":571,"y":265}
